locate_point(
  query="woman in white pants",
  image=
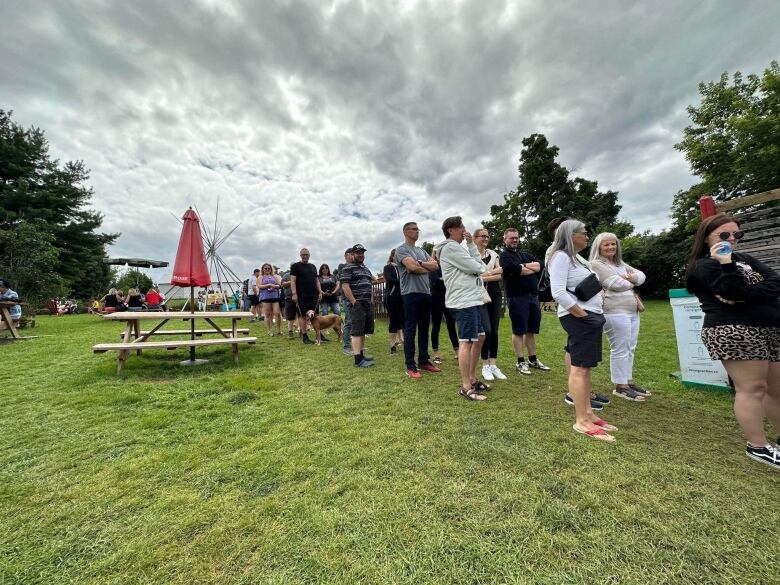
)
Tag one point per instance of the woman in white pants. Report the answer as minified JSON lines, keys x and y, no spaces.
{"x":621,"y":310}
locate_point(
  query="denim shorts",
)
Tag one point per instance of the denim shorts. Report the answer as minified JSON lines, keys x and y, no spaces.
{"x":469,"y":324}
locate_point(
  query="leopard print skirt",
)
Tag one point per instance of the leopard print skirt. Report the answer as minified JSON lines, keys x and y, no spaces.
{"x":742,"y":342}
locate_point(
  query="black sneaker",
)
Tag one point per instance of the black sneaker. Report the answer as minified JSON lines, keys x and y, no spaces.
{"x":594,"y":404}
{"x":769,"y":455}
{"x":628,"y":394}
{"x":306,"y":340}
{"x":639,"y":390}
{"x":393,"y":349}
{"x":599,"y":398}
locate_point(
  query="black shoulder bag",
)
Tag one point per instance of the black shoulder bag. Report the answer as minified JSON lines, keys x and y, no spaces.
{"x":587,"y":288}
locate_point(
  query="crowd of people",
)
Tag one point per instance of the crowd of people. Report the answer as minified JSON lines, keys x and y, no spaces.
{"x":463,"y":283}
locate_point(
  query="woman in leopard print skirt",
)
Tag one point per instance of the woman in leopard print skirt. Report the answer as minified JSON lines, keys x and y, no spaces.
{"x":740,"y":297}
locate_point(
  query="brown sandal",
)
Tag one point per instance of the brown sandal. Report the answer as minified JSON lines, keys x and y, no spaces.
{"x":470,"y":394}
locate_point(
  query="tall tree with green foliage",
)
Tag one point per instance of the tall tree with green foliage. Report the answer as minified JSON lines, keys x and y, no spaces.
{"x":733,"y":142}
{"x":545,"y":191}
{"x":37,"y":191}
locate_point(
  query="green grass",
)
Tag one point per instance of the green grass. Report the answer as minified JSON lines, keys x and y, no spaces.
{"x":295,"y":467}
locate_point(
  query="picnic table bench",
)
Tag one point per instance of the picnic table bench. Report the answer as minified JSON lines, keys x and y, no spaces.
{"x":141,"y":342}
{"x":5,"y":317}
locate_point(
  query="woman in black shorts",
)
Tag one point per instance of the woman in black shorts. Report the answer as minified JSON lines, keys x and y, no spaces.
{"x":740,"y":297}
{"x":578,"y":293}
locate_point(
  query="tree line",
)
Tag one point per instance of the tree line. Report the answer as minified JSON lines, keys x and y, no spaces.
{"x":50,"y":243}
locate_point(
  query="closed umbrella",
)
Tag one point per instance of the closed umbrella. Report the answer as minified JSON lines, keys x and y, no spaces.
{"x":190,"y":267}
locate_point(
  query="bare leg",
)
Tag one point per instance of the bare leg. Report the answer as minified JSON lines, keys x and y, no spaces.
{"x":465,"y":351}
{"x":772,"y":399}
{"x":750,"y":379}
{"x":517,"y":343}
{"x":579,"y":388}
{"x":357,"y":343}
{"x":474,"y":356}
{"x":529,"y":339}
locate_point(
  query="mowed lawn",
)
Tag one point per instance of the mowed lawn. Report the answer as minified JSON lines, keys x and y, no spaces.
{"x":296,"y":467}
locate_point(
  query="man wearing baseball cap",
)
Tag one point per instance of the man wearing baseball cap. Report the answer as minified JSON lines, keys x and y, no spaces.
{"x":356,"y":280}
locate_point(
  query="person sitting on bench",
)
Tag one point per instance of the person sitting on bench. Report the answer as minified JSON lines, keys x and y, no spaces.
{"x":153,"y":300}
{"x":6,"y":294}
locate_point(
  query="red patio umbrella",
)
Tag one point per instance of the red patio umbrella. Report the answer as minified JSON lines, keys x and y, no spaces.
{"x":190,"y":268}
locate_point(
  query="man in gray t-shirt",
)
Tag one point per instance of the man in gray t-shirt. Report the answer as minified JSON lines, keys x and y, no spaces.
{"x":414,"y":264}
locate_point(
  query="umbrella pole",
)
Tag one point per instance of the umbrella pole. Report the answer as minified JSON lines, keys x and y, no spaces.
{"x":192,"y":361}
{"x":192,"y":323}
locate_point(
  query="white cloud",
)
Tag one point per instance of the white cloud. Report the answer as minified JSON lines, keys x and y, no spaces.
{"x":330,"y":124}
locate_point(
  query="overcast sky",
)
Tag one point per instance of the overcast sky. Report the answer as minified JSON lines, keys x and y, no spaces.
{"x":326,"y":124}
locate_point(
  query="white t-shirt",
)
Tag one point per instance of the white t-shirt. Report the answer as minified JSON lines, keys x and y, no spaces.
{"x":565,"y":275}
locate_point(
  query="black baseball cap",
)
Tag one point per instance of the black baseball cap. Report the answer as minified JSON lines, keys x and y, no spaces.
{"x":357,"y":248}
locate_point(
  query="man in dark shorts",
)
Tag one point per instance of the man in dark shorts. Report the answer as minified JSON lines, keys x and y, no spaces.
{"x":356,"y":280}
{"x":306,"y":291}
{"x":254,"y":295}
{"x":521,"y":283}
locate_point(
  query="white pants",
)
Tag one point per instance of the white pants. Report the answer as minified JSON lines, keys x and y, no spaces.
{"x":622,"y":331}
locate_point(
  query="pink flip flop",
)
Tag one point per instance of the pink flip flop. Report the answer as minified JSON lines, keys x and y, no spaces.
{"x":598,"y":434}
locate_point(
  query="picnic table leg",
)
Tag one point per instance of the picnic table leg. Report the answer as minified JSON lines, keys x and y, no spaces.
{"x":137,"y":333}
{"x":235,"y":345}
{"x":123,"y":352}
{"x":10,"y":322}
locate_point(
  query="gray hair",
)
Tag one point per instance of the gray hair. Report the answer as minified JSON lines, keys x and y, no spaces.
{"x":595,"y":248}
{"x":563,"y":238}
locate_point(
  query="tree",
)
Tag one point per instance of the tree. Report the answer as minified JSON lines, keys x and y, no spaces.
{"x":28,"y":259}
{"x":132,"y":279}
{"x":544,"y":192}
{"x":53,"y":199}
{"x":733,"y":143}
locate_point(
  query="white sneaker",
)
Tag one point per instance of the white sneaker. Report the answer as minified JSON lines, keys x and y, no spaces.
{"x":487,"y":373}
{"x":499,"y":375}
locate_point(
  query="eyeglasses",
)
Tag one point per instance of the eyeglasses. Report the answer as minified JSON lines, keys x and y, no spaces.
{"x":482,"y":236}
{"x":738,"y":235}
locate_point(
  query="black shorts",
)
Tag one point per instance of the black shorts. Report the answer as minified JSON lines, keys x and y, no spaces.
{"x":290,"y":310}
{"x":362,"y":319}
{"x":254,"y":300}
{"x":269,"y":300}
{"x":584,"y":340}
{"x":525,"y":314}
{"x":307,"y":304}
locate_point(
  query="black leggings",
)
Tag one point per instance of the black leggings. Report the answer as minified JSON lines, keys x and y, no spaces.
{"x":490,"y":313}
{"x":437,"y":311}
{"x":395,"y":310}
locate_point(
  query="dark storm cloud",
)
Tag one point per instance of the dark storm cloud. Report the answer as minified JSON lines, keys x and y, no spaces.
{"x":326,"y":124}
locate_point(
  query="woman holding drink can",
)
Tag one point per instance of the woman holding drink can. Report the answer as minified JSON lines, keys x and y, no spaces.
{"x":740,"y":298}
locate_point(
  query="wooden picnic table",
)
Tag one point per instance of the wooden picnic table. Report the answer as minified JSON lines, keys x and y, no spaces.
{"x":5,"y":317}
{"x":133,"y":321}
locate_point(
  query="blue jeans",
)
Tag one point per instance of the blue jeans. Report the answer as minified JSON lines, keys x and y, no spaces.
{"x":327,"y":308}
{"x":417,"y":315}
{"x":345,"y":332}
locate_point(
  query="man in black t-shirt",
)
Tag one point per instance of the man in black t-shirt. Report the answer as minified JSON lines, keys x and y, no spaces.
{"x":306,"y":292}
{"x":356,"y":282}
{"x":521,"y":283}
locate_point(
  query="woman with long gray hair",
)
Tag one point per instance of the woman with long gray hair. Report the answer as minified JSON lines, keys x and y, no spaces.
{"x":578,"y":293}
{"x":621,"y":310}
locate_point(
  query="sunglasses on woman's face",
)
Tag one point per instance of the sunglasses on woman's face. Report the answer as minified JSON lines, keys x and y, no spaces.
{"x":738,"y":235}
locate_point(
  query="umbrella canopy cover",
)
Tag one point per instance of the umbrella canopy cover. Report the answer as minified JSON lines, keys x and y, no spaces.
{"x":190,"y":267}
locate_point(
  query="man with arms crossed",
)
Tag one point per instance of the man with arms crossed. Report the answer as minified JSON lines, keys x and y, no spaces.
{"x":521,"y":282}
{"x":414,"y":264}
{"x":461,"y":269}
{"x":356,"y":280}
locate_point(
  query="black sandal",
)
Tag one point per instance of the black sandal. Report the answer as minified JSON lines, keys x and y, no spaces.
{"x":468,"y":394}
{"x":480,"y":386}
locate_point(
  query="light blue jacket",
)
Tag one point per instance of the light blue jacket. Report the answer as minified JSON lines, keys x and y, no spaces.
{"x":461,"y":269}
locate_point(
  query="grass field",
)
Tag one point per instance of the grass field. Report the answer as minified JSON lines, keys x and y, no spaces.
{"x":296,"y":467}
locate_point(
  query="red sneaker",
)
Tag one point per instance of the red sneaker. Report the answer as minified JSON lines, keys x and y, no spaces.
{"x":430,"y":368}
{"x":413,"y":374}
